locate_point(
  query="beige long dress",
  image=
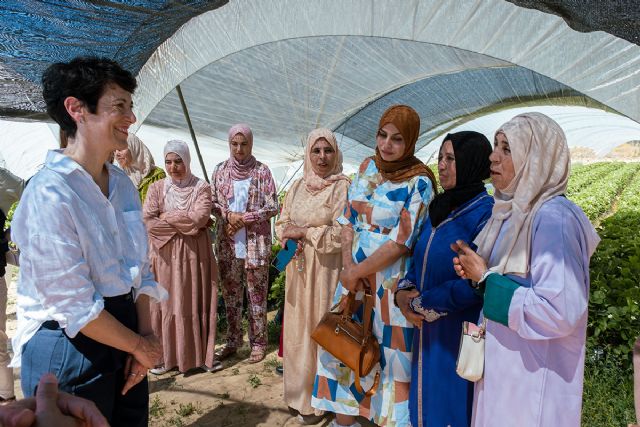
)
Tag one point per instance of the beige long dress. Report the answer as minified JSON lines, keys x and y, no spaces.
{"x":182,"y":260}
{"x":309,"y":292}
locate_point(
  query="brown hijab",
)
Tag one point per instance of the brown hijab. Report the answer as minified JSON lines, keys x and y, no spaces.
{"x":407,"y":121}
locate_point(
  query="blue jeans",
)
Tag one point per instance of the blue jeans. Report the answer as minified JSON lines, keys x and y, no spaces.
{"x":87,"y":368}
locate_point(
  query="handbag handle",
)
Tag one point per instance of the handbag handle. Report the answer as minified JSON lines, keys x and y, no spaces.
{"x":366,"y":333}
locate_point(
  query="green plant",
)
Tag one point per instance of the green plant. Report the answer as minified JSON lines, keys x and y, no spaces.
{"x":235,"y":371}
{"x":277,"y":290}
{"x":175,"y":421}
{"x":271,"y":363}
{"x":254,"y":381}
{"x":608,"y":392}
{"x":614,"y":307}
{"x":186,"y":410}
{"x":9,"y":215}
{"x":156,"y":408}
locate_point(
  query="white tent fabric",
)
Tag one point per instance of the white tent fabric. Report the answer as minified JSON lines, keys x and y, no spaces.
{"x":585,"y":127}
{"x":289,"y":66}
{"x":23,"y":145}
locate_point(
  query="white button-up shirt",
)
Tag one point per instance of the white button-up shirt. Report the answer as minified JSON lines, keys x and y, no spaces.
{"x":76,"y":247}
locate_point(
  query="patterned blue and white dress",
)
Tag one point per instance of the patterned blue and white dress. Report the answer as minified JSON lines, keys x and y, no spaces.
{"x":379,"y":211}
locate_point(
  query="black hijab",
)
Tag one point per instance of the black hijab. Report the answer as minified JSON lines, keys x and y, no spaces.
{"x":472,"y":150}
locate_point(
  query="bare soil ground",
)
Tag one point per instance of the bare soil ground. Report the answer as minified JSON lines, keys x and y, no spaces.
{"x":242,"y":394}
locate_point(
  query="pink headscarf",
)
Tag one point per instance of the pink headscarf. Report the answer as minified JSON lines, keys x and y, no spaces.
{"x":241,"y":170}
{"x":313,"y":182}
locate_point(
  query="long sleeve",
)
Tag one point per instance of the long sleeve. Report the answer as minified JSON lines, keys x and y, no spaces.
{"x":160,"y":231}
{"x":456,"y":294}
{"x":557,"y":299}
{"x":269,"y":205}
{"x":53,"y":260}
{"x":326,"y":239}
{"x":452,"y":295}
{"x":413,"y":213}
{"x":285,"y":214}
{"x":190,"y":223}
{"x":218,"y":207}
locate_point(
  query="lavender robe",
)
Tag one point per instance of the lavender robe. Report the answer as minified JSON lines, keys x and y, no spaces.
{"x":534,"y":368}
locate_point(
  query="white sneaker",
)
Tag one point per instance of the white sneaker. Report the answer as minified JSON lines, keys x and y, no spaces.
{"x":159,"y":371}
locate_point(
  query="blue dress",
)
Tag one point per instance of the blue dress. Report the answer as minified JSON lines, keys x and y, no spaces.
{"x":438,"y":396}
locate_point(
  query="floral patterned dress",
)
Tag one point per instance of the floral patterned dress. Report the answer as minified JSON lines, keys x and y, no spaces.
{"x":379,"y":211}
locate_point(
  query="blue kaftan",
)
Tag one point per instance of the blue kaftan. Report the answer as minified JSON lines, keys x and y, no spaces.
{"x":438,"y":396}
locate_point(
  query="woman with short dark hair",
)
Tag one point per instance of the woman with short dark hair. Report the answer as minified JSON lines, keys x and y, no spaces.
{"x":85,"y":283}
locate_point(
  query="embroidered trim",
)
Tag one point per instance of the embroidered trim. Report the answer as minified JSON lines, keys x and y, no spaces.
{"x":428,"y":314}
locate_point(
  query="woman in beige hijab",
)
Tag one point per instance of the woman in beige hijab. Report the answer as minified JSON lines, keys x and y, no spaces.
{"x":309,"y":217}
{"x":532,"y":266}
{"x":137,"y":162}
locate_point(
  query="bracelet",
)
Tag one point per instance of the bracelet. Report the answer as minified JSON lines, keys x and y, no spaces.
{"x":478,"y":284}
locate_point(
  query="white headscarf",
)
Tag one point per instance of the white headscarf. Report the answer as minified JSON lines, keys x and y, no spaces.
{"x":180,"y":194}
{"x":141,"y":160}
{"x":541,"y":162}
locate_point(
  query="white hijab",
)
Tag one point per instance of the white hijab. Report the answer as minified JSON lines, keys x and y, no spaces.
{"x":541,"y":162}
{"x":180,"y":194}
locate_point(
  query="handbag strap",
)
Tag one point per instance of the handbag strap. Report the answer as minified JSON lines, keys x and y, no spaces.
{"x":367,"y":335}
{"x":366,"y":316}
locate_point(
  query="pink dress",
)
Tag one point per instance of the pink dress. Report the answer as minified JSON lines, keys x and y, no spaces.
{"x":183,"y":263}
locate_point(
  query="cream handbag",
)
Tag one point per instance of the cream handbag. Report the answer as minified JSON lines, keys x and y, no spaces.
{"x":470,"y":363}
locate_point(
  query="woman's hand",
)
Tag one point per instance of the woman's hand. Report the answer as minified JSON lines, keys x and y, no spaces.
{"x":350,"y":279}
{"x":468,"y":264}
{"x":234,"y":223}
{"x":148,"y":352}
{"x":402,"y":299}
{"x":235,"y":219}
{"x":294,"y":232}
{"x":134,"y":373}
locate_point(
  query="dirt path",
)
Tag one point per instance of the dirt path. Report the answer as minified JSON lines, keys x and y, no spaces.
{"x":242,"y":394}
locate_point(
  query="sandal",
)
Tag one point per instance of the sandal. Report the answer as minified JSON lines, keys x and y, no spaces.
{"x":225,"y":352}
{"x":215,"y":367}
{"x":257,"y":355}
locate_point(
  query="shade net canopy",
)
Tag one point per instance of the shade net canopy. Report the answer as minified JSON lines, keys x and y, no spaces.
{"x":288,"y":66}
{"x":36,"y":33}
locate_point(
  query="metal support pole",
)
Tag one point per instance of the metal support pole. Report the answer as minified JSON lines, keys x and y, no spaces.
{"x":193,"y":134}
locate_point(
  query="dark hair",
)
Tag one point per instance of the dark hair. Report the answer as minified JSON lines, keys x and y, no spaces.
{"x":84,"y":78}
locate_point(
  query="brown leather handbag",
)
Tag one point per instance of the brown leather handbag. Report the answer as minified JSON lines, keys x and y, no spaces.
{"x":351,"y":342}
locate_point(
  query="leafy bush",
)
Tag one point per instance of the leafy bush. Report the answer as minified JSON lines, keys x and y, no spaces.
{"x":596,"y":199}
{"x":608,"y":391}
{"x":276,"y":281}
{"x":12,"y":210}
{"x":614,"y":307}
